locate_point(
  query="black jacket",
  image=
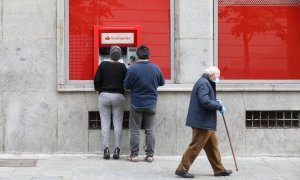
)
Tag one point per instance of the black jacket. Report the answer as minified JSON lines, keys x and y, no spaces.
{"x":109,"y":77}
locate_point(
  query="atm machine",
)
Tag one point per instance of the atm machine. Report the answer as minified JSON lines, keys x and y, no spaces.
{"x":127,"y":37}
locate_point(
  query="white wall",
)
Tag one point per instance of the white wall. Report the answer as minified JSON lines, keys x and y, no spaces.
{"x":36,"y":118}
{"x":28,"y":67}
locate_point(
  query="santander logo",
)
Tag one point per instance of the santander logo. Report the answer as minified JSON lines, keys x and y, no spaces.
{"x":117,"y":38}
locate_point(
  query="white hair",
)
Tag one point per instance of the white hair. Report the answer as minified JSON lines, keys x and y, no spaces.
{"x":212,"y":70}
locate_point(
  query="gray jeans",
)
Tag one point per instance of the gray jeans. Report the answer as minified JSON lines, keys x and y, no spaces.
{"x":111,"y":104}
{"x":136,"y":117}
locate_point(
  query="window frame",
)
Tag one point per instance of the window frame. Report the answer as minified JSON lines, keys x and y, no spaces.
{"x":64,"y":84}
{"x":249,"y":82}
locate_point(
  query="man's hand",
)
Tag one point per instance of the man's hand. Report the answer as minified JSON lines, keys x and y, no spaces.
{"x":97,"y":92}
{"x":223,"y":110}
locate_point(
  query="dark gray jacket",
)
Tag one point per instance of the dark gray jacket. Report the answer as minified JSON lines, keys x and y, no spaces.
{"x":202,"y":112}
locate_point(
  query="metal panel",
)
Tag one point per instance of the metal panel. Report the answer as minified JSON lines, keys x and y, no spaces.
{"x":272,"y":119}
{"x":95,"y":120}
{"x":18,"y":162}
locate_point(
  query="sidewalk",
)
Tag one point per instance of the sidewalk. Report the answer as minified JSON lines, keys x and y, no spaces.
{"x":90,"y":167}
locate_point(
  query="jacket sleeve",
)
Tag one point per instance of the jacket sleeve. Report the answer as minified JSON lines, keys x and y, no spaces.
{"x":124,"y":71}
{"x":204,"y":99}
{"x":127,"y":80}
{"x":161,"y":79}
{"x":97,"y":79}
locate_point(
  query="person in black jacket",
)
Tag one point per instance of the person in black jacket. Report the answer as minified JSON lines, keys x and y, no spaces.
{"x":108,"y":83}
{"x":202,"y":118}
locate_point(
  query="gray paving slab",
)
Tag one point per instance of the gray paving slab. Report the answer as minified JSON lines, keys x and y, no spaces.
{"x":27,"y":171}
{"x":16,"y":177}
{"x":295,"y":161}
{"x":94,"y":167}
{"x":47,"y":178}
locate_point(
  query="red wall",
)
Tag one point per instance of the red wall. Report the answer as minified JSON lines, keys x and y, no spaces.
{"x":259,"y":41}
{"x":153,"y":16}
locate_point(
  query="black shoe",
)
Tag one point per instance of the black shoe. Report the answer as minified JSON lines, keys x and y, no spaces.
{"x":116,"y":153}
{"x":184,"y":174}
{"x":106,"y":153}
{"x":224,"y":173}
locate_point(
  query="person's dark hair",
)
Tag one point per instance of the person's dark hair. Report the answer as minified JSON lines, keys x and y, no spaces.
{"x":143,"y":52}
{"x":115,"y":53}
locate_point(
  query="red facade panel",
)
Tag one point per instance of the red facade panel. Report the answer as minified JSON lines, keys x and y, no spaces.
{"x":259,"y":39}
{"x":153,"y":16}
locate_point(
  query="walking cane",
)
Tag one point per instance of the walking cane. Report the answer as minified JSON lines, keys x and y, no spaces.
{"x":230,"y":142}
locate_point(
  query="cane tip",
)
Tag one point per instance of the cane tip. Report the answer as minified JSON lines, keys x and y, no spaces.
{"x":237,"y":170}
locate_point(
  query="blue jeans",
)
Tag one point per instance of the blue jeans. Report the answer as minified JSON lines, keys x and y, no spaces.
{"x":135,"y":121}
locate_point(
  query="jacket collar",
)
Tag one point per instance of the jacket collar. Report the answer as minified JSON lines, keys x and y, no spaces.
{"x":213,"y":84}
{"x":206,"y":76}
{"x":143,"y":61}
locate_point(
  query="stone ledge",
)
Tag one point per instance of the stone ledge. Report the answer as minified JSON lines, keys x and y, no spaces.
{"x":259,"y":87}
{"x":238,"y":87}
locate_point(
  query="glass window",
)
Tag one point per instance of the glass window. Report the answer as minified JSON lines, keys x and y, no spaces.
{"x":259,"y":39}
{"x":153,"y":17}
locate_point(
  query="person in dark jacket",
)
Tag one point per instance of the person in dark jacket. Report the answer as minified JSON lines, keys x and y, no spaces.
{"x":108,"y":83}
{"x":143,"y":79}
{"x":202,"y":118}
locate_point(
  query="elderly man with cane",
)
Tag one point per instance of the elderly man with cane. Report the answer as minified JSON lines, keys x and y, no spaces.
{"x":202,"y":118}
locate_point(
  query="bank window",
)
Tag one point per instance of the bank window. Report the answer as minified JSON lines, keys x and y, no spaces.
{"x":152,"y":16}
{"x":259,"y":39}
